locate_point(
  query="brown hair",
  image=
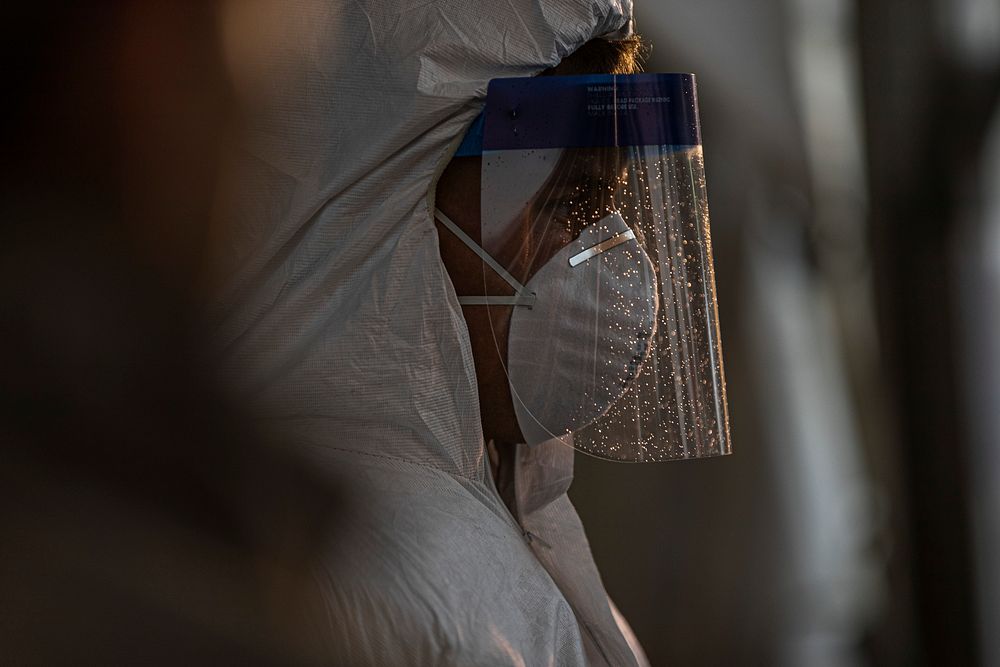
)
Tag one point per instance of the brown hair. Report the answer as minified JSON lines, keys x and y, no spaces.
{"x":602,"y":56}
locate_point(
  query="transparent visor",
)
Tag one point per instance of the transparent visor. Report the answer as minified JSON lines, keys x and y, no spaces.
{"x":600,"y":281}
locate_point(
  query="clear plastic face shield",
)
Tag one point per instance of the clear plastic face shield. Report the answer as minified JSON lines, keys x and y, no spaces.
{"x":595,"y":215}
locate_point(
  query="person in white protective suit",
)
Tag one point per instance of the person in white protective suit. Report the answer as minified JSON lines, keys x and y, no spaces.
{"x":337,"y":316}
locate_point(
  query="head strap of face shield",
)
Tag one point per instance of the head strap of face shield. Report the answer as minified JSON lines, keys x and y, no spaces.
{"x":472,"y":143}
{"x":593,"y":110}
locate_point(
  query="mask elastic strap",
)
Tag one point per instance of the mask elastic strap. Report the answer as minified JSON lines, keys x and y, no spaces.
{"x":520,"y":298}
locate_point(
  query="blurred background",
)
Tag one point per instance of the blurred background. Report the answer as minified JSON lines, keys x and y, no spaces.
{"x":853,"y":159}
{"x":852,"y":151}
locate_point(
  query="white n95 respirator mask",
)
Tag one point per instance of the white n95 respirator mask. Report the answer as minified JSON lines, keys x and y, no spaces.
{"x":583,"y":329}
{"x":573,"y":353}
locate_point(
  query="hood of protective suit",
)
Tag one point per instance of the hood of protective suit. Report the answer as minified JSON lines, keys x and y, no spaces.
{"x":335,"y":315}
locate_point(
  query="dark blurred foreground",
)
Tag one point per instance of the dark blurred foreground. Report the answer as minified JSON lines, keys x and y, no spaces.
{"x":142,"y":522}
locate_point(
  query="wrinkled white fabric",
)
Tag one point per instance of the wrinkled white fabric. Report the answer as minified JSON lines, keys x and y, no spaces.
{"x":336,"y":316}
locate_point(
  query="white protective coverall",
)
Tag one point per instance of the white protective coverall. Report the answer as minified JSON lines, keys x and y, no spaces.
{"x":337,"y":318}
